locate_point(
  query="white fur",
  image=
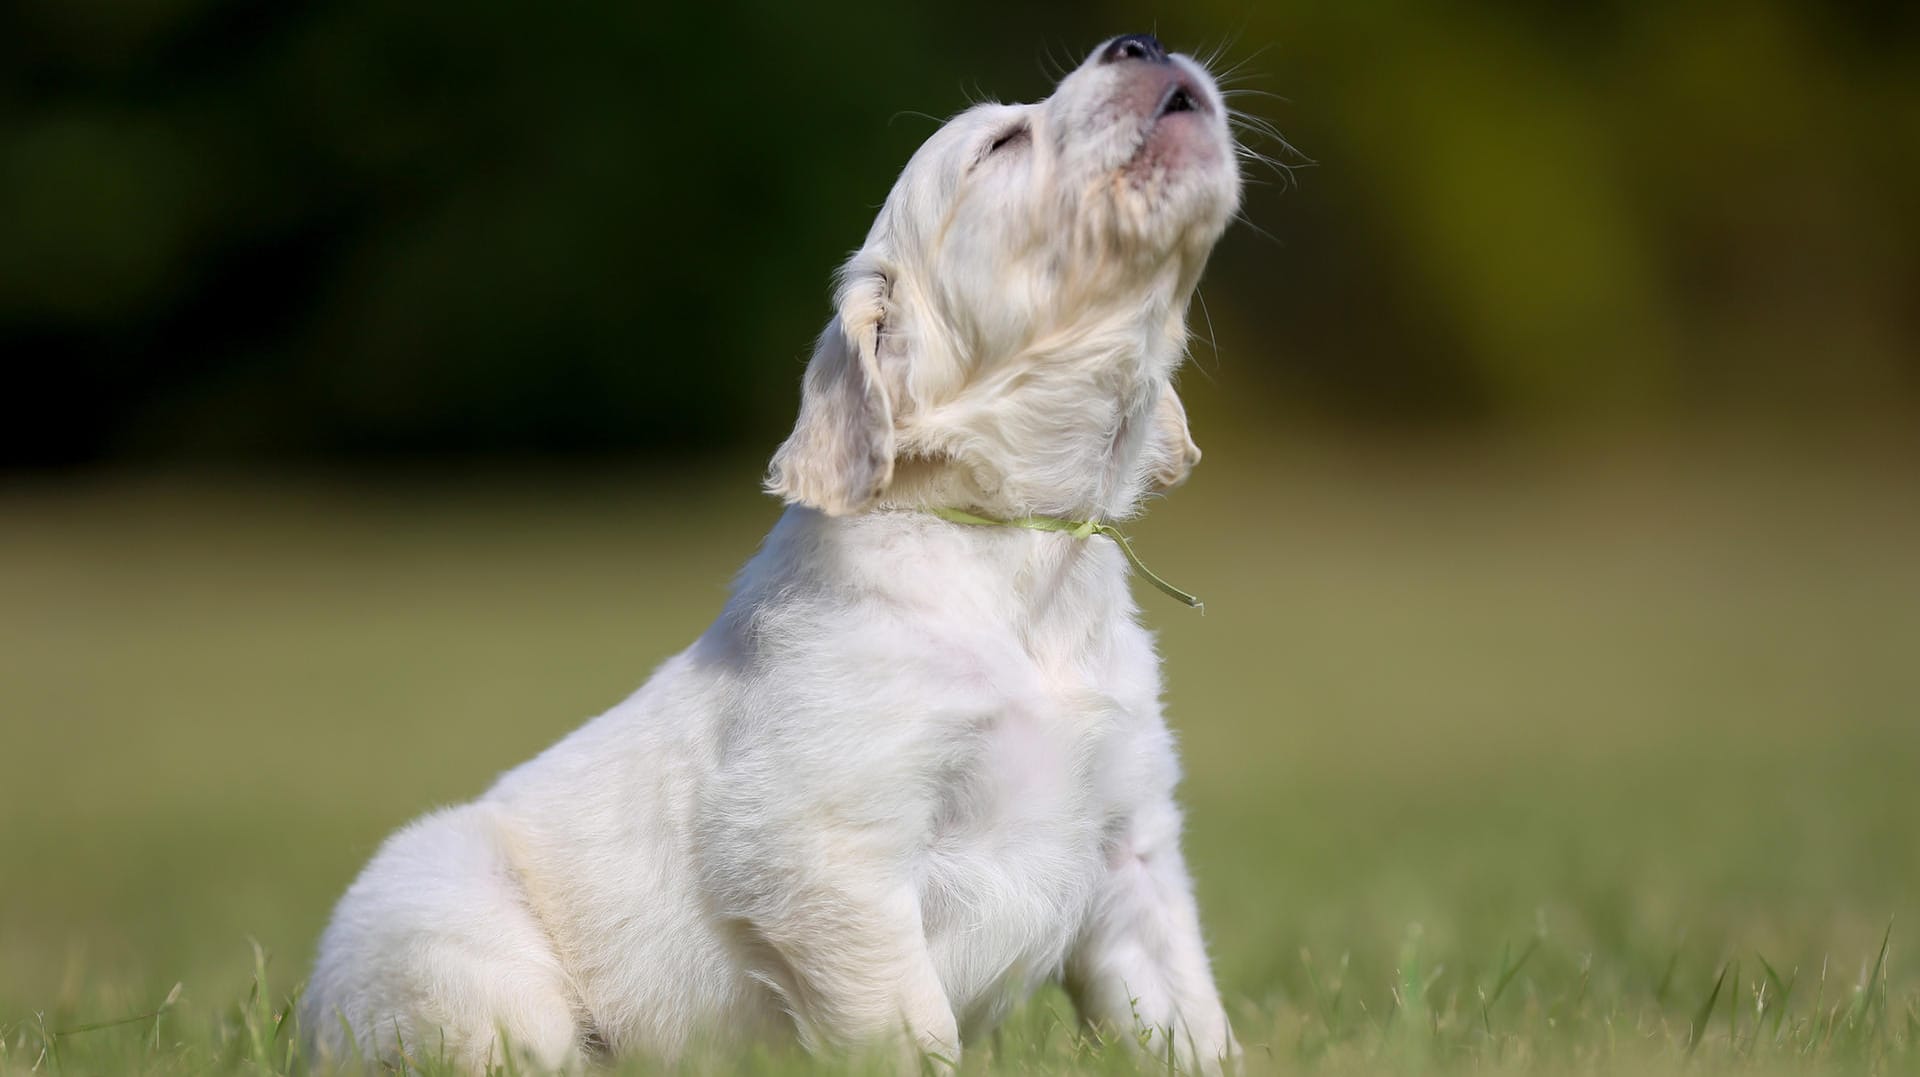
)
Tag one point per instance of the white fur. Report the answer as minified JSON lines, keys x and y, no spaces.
{"x":915,"y":768}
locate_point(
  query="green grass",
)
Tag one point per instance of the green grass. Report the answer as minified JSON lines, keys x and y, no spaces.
{"x":1497,"y":760}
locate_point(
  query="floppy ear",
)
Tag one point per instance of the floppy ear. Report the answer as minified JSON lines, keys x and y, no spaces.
{"x":840,"y":454}
{"x":1171,"y":451}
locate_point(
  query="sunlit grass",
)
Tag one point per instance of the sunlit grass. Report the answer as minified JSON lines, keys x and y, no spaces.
{"x":1496,"y":761}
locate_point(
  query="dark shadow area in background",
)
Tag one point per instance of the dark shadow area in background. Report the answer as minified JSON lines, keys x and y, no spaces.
{"x":366,"y":231}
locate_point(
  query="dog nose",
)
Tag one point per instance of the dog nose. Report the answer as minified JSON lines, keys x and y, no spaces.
{"x":1134,"y":47}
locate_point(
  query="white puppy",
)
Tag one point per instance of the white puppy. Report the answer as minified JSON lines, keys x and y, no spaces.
{"x":917,"y":767}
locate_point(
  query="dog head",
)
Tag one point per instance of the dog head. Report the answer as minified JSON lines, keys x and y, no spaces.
{"x":1006,"y":336}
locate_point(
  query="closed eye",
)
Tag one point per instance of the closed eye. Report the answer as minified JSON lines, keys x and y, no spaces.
{"x":1013,"y":136}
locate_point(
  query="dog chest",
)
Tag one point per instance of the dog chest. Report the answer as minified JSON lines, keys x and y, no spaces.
{"x":1017,"y":848}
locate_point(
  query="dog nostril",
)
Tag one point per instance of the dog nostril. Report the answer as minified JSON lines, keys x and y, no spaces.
{"x":1135,"y":47}
{"x":1181,"y":101}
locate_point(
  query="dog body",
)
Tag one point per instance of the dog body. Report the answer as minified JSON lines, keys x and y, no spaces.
{"x":915,"y":768}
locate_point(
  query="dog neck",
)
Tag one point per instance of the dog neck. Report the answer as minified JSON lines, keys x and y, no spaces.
{"x":1065,"y":428}
{"x":1082,"y":465}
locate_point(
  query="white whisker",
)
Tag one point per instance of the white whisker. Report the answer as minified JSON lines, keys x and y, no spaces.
{"x":1213,"y":342}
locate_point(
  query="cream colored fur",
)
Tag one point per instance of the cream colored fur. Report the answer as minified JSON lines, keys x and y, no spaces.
{"x":915,"y":768}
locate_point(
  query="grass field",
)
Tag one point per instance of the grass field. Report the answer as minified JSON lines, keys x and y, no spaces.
{"x":1499,"y":760}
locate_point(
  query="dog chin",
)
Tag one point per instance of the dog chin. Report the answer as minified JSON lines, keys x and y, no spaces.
{"x":1179,"y":185}
{"x":1180,"y":143}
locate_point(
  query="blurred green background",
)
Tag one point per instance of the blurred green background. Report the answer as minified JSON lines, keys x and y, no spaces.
{"x":448,"y":229}
{"x":389,"y":387}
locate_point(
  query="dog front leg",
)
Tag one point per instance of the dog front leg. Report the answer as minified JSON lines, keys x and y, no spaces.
{"x":857,"y":975}
{"x":1139,"y":967}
